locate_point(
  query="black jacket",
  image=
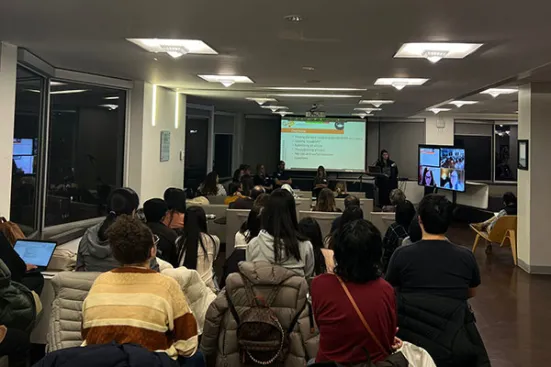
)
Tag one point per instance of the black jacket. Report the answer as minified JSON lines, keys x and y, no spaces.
{"x":445,"y":327}
{"x":12,"y":260}
{"x":107,"y":355}
{"x":166,"y":248}
{"x":17,"y":307}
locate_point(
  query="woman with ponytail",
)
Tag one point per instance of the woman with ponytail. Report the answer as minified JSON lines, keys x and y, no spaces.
{"x":197,"y":249}
{"x":94,"y":251}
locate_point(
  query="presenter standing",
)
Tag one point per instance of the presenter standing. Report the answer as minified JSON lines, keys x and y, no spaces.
{"x":320,"y":181}
{"x":281,"y":176}
{"x":388,"y":181}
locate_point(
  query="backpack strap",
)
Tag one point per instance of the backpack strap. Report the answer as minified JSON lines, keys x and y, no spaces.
{"x":232,"y":308}
{"x":259,"y":300}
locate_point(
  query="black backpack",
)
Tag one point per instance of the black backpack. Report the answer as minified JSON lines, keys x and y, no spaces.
{"x":261,"y":338}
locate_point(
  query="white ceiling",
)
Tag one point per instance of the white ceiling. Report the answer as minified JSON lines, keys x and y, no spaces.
{"x":350,"y":43}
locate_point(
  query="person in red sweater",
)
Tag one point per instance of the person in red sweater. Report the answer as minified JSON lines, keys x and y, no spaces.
{"x":343,"y":338}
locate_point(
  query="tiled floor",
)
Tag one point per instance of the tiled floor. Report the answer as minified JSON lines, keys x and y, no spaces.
{"x":513,"y":308}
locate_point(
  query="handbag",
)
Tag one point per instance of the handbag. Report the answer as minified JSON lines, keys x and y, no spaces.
{"x":395,"y":359}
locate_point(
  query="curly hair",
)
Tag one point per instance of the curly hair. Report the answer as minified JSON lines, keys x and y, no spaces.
{"x":130,"y":240}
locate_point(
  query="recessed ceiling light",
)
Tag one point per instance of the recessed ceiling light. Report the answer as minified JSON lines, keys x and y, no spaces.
{"x":494,"y":92}
{"x":261,"y":101}
{"x":438,"y":110}
{"x":226,"y":80}
{"x":460,"y":104}
{"x":308,"y":68}
{"x":400,"y":83}
{"x":294,"y":18}
{"x":318,"y":89}
{"x":376,"y":102}
{"x":110,"y":107}
{"x":275,"y":108}
{"x":362,"y":115}
{"x":174,"y":47}
{"x":366,"y":109}
{"x":321,"y":96}
{"x":284,"y":113}
{"x":113,"y":97}
{"x":435,"y":51}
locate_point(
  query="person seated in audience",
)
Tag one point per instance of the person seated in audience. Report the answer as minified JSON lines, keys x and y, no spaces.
{"x":176,"y":201}
{"x":340,"y":190}
{"x":197,"y":249}
{"x":262,"y":200}
{"x":436,"y":277}
{"x":234,"y":192}
{"x":220,"y":340}
{"x":250,"y":194}
{"x":134,"y":304}
{"x":14,"y":344}
{"x":320,"y":181}
{"x":396,"y":197}
{"x":414,"y":232}
{"x":94,"y":251}
{"x":279,"y":242}
{"x":509,"y":208}
{"x":349,"y":201}
{"x":260,"y":179}
{"x":326,"y":202}
{"x":323,"y":258}
{"x":397,"y":231}
{"x":20,"y":272}
{"x":343,"y":337}
{"x":248,"y":231}
{"x":211,"y":186}
{"x":281,"y":176}
{"x":154,"y":211}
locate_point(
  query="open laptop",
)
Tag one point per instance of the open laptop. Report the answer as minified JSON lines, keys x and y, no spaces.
{"x":36,"y":252}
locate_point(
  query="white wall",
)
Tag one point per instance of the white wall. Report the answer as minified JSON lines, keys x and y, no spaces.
{"x":523,"y":178}
{"x":145,"y":172}
{"x":8,"y":77}
{"x":439,"y":135}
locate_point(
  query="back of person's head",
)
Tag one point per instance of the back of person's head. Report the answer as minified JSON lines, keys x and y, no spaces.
{"x":261,"y":200}
{"x":210,"y":185}
{"x":195,"y":223}
{"x":237,"y":175}
{"x":397,"y":196}
{"x":131,"y":240}
{"x":404,"y":214}
{"x":310,"y":228}
{"x":350,"y":214}
{"x":358,"y":249}
{"x":247,"y":184}
{"x":154,"y":210}
{"x":326,"y":201}
{"x":509,"y":199}
{"x":256,"y":191}
{"x":279,"y":219}
{"x":340,"y":187}
{"x":414,"y":231}
{"x":175,"y":199}
{"x":351,"y":200}
{"x":120,"y":201}
{"x":251,"y":228}
{"x":234,"y":188}
{"x":435,"y":214}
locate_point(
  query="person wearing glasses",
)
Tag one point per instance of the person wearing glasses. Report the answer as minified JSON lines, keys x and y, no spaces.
{"x":155,"y":210}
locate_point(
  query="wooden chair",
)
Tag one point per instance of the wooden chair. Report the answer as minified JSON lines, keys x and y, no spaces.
{"x":504,"y":229}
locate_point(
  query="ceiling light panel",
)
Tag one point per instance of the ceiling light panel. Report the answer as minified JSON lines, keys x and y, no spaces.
{"x":318,"y":89}
{"x":401,"y":83}
{"x":460,"y":104}
{"x":494,"y":92}
{"x":275,"y":107}
{"x":226,"y":80}
{"x":435,"y":51}
{"x":366,"y":109}
{"x":438,"y":110}
{"x":320,"y":96}
{"x":174,"y":47}
{"x":376,"y":102}
{"x":262,"y":101}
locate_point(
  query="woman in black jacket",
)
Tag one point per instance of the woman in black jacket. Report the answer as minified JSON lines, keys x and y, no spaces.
{"x":389,"y":180}
{"x":20,"y":272}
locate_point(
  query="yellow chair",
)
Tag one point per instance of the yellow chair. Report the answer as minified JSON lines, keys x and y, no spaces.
{"x":505,"y":228}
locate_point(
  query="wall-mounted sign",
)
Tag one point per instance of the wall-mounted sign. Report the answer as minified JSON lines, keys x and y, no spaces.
{"x":165,"y":146}
{"x":315,"y":114}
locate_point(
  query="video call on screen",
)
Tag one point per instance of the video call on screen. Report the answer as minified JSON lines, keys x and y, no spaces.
{"x":442,"y":167}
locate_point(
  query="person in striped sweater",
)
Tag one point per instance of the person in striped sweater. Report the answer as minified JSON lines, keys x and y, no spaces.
{"x":134,"y":304}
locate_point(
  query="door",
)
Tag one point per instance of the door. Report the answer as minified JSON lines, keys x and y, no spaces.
{"x":196,"y":151}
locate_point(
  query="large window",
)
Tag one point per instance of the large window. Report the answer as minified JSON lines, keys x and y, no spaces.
{"x":26,"y":159}
{"x":85,"y":150}
{"x":506,"y":137}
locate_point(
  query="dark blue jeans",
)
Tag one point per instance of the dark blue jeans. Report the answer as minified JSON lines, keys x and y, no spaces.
{"x":196,"y":360}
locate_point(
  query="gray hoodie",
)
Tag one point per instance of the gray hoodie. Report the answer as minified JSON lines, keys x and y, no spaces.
{"x":261,"y":248}
{"x":96,"y":255}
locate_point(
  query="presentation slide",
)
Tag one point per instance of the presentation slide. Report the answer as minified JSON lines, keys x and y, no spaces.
{"x":336,"y":144}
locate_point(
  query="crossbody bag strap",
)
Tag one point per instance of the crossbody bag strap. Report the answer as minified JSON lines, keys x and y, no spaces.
{"x":361,"y":316}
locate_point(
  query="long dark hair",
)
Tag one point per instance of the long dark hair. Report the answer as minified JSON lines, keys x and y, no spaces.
{"x":120,"y":201}
{"x":425,"y":174}
{"x":326,"y":201}
{"x":210,"y":185}
{"x":195,"y":224}
{"x":252,"y":225}
{"x":310,"y":228}
{"x":176,"y":202}
{"x":381,"y":160}
{"x":323,"y":173}
{"x":279,"y":219}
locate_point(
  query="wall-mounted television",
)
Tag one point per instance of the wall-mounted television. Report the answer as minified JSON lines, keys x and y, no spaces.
{"x":442,"y":167}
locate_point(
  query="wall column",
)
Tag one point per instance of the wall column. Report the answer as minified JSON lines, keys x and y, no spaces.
{"x":534,"y":253}
{"x":8,"y":79}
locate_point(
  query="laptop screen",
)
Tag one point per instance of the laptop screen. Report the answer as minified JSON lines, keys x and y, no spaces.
{"x":35,"y":252}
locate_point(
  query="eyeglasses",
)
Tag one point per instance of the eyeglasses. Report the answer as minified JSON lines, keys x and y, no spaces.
{"x":156,"y":239}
